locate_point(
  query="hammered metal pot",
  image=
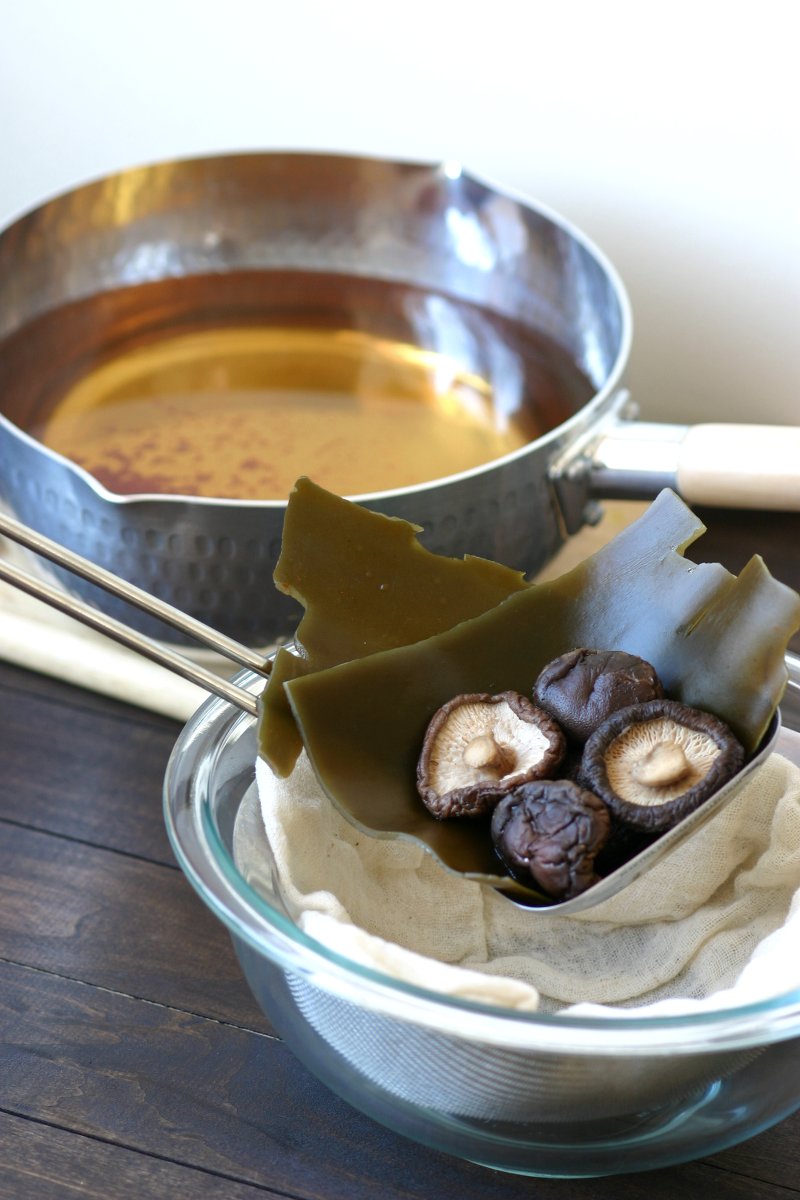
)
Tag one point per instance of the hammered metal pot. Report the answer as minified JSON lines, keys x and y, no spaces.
{"x":428,"y":226}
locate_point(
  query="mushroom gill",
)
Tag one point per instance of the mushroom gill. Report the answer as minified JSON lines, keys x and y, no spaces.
{"x":477,"y":747}
{"x":654,"y":763}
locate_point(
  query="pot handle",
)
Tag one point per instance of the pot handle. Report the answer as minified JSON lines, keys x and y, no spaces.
{"x":724,"y":465}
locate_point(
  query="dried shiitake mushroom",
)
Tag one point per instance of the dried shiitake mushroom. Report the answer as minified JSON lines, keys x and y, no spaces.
{"x":479,"y":746}
{"x":549,"y":832}
{"x":655,"y":763}
{"x":583,"y":687}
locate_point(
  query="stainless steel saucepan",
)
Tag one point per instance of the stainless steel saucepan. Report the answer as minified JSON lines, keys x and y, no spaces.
{"x":456,"y":241}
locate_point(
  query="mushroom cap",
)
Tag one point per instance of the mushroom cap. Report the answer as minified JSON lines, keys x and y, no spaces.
{"x":655,"y":763}
{"x":583,"y":687}
{"x":479,"y":746}
{"x":549,"y":831}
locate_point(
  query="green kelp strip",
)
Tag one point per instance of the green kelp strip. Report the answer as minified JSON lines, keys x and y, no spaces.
{"x":717,"y":641}
{"x":366,"y":584}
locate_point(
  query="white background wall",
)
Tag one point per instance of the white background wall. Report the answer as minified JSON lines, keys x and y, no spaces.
{"x":669,"y":132}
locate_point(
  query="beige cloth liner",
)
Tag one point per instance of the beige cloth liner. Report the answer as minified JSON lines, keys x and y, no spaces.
{"x":715,"y":923}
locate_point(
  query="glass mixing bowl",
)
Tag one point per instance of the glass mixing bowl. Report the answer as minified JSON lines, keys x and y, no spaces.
{"x":547,"y":1095}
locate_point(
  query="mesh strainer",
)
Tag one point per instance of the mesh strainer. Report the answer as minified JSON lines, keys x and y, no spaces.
{"x":541,"y":1094}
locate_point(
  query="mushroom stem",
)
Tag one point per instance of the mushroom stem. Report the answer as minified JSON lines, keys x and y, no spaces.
{"x":483,"y":753}
{"x":662,"y":766}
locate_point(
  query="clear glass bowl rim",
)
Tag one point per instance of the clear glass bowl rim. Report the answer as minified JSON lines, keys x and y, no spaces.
{"x":209,"y":867}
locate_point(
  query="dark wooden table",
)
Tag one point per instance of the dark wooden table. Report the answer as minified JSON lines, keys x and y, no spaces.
{"x":133,"y":1062}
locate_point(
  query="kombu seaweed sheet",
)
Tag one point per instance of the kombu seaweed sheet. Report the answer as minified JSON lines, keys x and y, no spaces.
{"x":717,"y":641}
{"x":366,"y":584}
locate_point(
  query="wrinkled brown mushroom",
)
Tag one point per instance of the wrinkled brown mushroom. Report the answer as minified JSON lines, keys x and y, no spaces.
{"x":582,"y":688}
{"x":549,"y":832}
{"x":655,"y":763}
{"x":477,"y":747}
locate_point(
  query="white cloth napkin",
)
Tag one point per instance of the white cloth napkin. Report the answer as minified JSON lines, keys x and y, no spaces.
{"x":38,"y":637}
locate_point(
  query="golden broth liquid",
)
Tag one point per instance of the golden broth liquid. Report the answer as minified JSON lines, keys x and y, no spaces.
{"x":243,"y":412}
{"x":188,"y":403}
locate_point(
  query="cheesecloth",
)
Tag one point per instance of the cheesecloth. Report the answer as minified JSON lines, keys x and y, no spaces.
{"x":715,"y":923}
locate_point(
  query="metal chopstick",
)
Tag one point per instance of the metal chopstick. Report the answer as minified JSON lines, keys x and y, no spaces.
{"x":57,"y":598}
{"x":148,"y":603}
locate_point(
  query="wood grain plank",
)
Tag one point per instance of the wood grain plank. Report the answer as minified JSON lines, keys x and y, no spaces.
{"x":773,"y":1156}
{"x":48,"y":1163}
{"x":40,"y":1162}
{"x":117,"y":922}
{"x":196,"y":1092}
{"x":81,"y":766}
{"x":211,"y":1096}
